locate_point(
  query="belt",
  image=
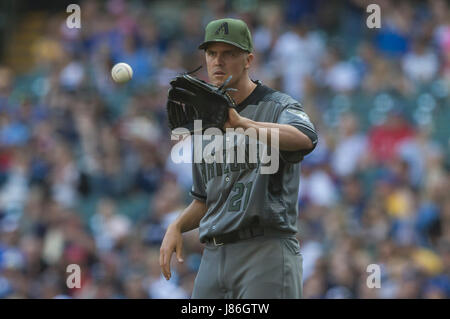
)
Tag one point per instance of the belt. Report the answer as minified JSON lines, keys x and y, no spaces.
{"x":242,"y":234}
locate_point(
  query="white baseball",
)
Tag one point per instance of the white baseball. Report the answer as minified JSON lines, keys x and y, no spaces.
{"x":121,"y":72}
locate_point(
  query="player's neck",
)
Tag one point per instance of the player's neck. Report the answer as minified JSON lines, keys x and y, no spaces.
{"x":244,"y":89}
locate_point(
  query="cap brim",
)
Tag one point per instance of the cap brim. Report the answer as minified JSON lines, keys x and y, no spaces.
{"x":205,"y":44}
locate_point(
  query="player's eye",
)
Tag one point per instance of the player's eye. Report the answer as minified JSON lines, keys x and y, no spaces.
{"x":228,"y":54}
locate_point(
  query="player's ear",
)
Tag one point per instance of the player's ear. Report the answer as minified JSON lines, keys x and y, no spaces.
{"x":248,"y":60}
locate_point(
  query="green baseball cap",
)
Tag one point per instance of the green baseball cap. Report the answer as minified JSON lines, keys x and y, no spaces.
{"x":231,"y":31}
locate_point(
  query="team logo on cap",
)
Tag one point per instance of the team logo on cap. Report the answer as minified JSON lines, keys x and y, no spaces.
{"x":223,"y":28}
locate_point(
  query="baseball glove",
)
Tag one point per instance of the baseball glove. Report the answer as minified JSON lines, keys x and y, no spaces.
{"x":192,"y":99}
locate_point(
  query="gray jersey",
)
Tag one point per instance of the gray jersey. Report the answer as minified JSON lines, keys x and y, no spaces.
{"x":238,"y":195}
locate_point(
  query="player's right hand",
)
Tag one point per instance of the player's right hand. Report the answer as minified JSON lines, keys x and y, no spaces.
{"x":172,"y":242}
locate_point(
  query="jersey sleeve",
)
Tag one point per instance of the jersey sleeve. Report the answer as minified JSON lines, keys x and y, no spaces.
{"x":198,"y":190}
{"x":294,"y":115}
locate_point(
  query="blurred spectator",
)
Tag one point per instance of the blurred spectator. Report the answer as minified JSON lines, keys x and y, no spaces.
{"x":351,"y":147}
{"x":266,"y":35}
{"x":108,"y":227}
{"x":385,"y":139}
{"x":393,"y":38}
{"x":338,"y":75}
{"x":421,"y":64}
{"x":164,"y":210}
{"x":296,"y":54}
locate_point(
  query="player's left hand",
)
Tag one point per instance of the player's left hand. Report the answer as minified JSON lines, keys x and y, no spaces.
{"x":234,"y":119}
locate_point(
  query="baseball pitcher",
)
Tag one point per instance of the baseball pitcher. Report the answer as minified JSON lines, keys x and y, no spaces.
{"x":247,"y":219}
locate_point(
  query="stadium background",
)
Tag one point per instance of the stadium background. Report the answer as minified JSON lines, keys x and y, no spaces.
{"x":85,"y":169}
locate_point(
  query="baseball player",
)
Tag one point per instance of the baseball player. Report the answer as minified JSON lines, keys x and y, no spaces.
{"x":247,"y":220}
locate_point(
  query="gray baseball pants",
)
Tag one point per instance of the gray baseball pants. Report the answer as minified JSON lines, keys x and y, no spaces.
{"x":257,"y":268}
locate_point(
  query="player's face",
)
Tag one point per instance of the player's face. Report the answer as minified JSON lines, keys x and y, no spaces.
{"x":223,"y":60}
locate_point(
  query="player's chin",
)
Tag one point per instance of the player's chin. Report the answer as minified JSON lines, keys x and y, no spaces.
{"x":218,"y":79}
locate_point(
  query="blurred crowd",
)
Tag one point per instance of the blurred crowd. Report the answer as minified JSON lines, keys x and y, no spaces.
{"x":86,"y":175}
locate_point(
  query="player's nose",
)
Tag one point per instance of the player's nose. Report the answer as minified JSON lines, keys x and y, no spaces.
{"x":219,"y":60}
